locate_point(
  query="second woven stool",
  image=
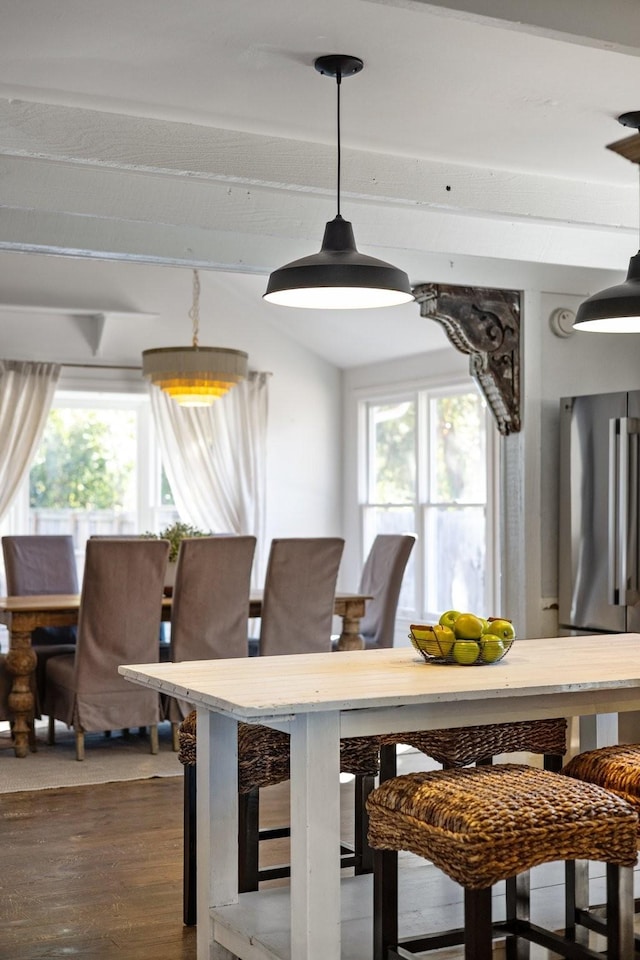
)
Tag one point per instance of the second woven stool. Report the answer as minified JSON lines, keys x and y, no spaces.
{"x":487,"y":824}
{"x":616,"y":768}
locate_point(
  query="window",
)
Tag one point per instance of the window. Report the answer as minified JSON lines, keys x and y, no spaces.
{"x":427,"y":467}
{"x":97,"y":471}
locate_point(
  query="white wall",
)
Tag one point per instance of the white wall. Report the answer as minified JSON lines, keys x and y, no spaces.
{"x":305,"y":427}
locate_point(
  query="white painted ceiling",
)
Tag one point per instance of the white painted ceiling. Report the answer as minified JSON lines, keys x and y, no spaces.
{"x":200,"y":133}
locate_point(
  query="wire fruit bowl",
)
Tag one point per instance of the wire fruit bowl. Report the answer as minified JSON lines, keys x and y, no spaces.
{"x":468,"y":653}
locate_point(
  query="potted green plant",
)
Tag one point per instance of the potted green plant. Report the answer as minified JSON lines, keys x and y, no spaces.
{"x":175,"y":533}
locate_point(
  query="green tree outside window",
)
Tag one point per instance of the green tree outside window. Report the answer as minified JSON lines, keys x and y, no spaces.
{"x":80,"y":463}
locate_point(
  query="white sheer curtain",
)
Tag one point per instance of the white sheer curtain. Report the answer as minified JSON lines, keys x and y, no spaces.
{"x":215,"y":457}
{"x":26,"y":394}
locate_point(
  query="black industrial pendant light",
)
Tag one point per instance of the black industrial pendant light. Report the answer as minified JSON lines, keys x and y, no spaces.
{"x":616,"y":309}
{"x":338,"y":277}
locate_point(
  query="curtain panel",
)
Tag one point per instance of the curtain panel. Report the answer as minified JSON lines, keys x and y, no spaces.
{"x":215,"y":457}
{"x":26,"y":394}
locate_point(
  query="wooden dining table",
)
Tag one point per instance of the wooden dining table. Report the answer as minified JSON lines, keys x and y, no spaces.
{"x":22,"y":615}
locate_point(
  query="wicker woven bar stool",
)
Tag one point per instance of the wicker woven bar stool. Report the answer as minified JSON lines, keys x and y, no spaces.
{"x":263,"y":761}
{"x":616,"y":768}
{"x":486,"y":824}
{"x":462,"y":746}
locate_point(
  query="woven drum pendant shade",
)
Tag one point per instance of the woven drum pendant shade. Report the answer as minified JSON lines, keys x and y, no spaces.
{"x":195,"y":376}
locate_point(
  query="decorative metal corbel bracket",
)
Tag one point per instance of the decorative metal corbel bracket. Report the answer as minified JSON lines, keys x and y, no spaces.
{"x":485,"y":324}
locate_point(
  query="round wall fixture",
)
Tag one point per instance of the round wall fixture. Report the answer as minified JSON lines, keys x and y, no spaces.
{"x":561,"y":322}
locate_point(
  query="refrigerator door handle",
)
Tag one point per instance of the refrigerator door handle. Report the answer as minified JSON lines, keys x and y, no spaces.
{"x":613,"y":512}
{"x":627,"y":573}
{"x":631,"y":513}
{"x":623,"y":510}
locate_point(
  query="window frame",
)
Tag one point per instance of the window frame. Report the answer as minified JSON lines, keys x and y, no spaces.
{"x":422,"y":391}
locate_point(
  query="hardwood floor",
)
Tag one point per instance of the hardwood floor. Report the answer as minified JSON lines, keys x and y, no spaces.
{"x":95,"y":872}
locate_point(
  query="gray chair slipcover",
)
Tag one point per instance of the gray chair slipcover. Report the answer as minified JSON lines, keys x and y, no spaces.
{"x":42,"y":564}
{"x":210,"y":604}
{"x":299,"y":592}
{"x":382,"y":578}
{"x":39,"y":565}
{"x":118,"y":623}
{"x":162,"y":637}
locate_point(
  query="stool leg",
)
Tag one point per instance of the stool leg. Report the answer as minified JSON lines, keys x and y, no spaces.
{"x":363,"y":852}
{"x":553,"y":762}
{"x":576,"y":898}
{"x":620,"y":912}
{"x":518,"y":892}
{"x":388,"y":761}
{"x":248,"y":840}
{"x":478,"y":940}
{"x":189,"y":848}
{"x":385,"y":902}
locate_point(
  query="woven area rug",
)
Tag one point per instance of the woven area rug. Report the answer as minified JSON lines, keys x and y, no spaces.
{"x":106,"y":760}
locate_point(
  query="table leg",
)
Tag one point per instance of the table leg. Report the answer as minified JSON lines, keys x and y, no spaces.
{"x":217,"y":818}
{"x":351,"y":638}
{"x":315,"y":837}
{"x":21,"y":663}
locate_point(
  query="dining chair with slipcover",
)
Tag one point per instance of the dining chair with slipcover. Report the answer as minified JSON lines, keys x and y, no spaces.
{"x":297,"y":615}
{"x":299,"y":593}
{"x":118,"y":622}
{"x":209,"y":606}
{"x":42,"y":564}
{"x":381,"y":579}
{"x":162,"y":634}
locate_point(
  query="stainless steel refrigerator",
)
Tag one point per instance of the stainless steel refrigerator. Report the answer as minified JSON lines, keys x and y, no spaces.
{"x":598,"y":532}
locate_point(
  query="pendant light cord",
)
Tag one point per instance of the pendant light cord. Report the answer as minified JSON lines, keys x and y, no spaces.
{"x":194,"y":313}
{"x":338,"y":84}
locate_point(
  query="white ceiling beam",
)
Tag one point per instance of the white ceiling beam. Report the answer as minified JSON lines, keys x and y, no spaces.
{"x":613,"y":25}
{"x":84,"y":183}
{"x":91,"y":139}
{"x":275,"y":229}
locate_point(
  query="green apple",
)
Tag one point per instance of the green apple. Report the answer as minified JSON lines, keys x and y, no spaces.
{"x":491,"y":648}
{"x":502,"y":628}
{"x":419,"y":633}
{"x":440,"y":641}
{"x":448,"y":618}
{"x":468,"y":627}
{"x":466,"y":651}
